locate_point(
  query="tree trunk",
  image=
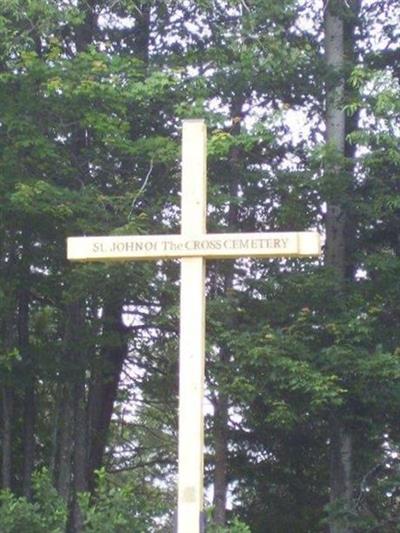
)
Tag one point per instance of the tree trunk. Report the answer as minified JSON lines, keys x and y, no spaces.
{"x":71,"y":463}
{"x":337,"y":257}
{"x":9,"y":342}
{"x":29,"y":440}
{"x":221,"y":401}
{"x":335,"y":137}
{"x":142,"y":33}
{"x":64,"y":443}
{"x":86,"y":30}
{"x":341,"y":488}
{"x":29,"y":389}
{"x":6,"y":456}
{"x":221,"y":458}
{"x":104,"y":384}
{"x":80,"y":454}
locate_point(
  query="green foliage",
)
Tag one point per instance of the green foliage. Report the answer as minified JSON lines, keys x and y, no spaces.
{"x":8,"y":359}
{"x":131,"y":507}
{"x":119,"y":509}
{"x":234,"y":526}
{"x":47,"y":512}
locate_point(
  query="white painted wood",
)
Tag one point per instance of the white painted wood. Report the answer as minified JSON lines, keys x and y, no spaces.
{"x":194,"y":178}
{"x":193,"y":246}
{"x":191,"y":395}
{"x":192,"y":331}
{"x":207,"y":245}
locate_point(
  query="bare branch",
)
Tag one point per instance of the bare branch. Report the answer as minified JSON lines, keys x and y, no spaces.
{"x":141,"y":189}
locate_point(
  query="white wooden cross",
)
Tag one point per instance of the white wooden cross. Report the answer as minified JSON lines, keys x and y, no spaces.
{"x":193,"y":246}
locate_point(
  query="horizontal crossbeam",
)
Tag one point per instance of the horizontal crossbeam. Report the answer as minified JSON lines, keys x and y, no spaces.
{"x":208,"y":246}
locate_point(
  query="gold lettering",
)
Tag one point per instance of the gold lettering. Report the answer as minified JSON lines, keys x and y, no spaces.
{"x":243,"y":243}
{"x":118,"y":247}
{"x":131,"y":246}
{"x":167,"y":246}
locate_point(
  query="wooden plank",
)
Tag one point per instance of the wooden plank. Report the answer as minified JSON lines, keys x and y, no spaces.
{"x":192,"y":331}
{"x":209,"y":246}
{"x":191,"y":394}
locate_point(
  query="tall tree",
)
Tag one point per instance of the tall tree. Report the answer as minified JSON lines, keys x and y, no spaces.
{"x":341,"y":461}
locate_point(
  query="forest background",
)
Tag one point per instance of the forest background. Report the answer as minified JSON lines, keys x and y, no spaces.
{"x":302,"y":104}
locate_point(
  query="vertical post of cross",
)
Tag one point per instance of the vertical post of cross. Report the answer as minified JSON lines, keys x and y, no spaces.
{"x":192,"y":330}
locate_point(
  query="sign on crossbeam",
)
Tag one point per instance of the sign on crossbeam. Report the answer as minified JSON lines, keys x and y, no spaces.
{"x":209,"y":246}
